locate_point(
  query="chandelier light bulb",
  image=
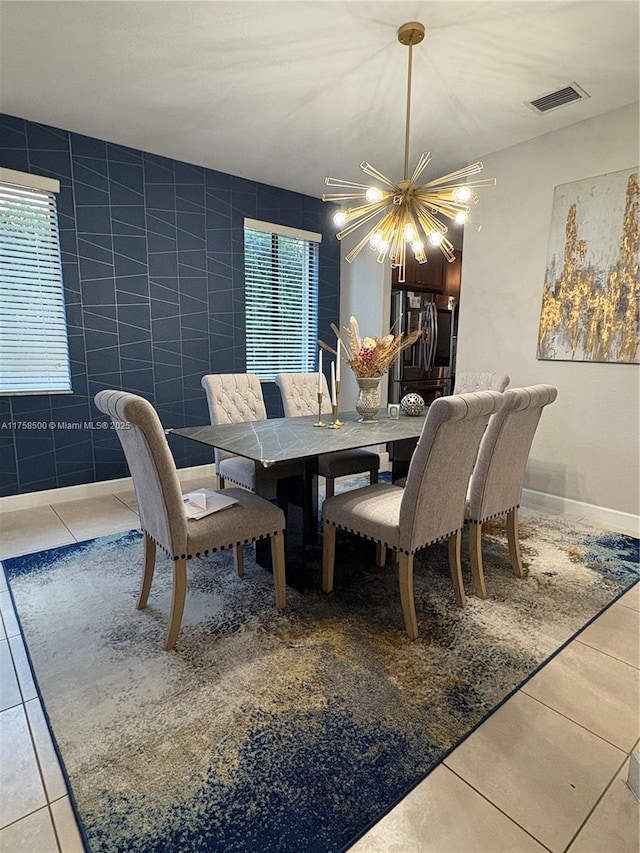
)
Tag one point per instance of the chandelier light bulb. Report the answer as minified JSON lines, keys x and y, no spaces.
{"x":373,"y":194}
{"x":409,"y":233}
{"x":435,"y":238}
{"x":461,"y":217}
{"x":462,"y":194}
{"x":376,"y":237}
{"x":382,"y":246}
{"x":340,"y":218}
{"x":417,"y":247}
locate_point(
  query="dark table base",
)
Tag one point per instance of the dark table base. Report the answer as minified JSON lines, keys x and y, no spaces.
{"x":298,"y":499}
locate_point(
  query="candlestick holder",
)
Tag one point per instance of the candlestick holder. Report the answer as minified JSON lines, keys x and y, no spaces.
{"x":320,"y":422}
{"x":336,"y":423}
{"x":336,"y":417}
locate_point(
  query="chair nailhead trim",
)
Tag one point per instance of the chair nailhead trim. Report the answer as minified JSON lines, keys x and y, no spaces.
{"x":213,"y":550}
{"x":490,"y":517}
{"x":386,"y":544}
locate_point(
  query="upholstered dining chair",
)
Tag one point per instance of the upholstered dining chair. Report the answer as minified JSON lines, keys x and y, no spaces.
{"x":496,"y":484}
{"x":299,"y":392}
{"x":487,"y":380}
{"x":234,"y":398}
{"x":162,"y":515}
{"x":429,"y":508}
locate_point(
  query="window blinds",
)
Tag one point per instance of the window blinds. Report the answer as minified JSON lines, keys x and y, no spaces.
{"x":34,"y":353}
{"x":281,"y":297}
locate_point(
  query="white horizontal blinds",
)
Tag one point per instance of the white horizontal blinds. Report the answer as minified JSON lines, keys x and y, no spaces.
{"x":34,"y":353}
{"x":281,"y":298}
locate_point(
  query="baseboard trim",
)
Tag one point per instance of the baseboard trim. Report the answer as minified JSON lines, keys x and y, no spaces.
{"x":11,"y":503}
{"x":92,"y":490}
{"x":624,"y":522}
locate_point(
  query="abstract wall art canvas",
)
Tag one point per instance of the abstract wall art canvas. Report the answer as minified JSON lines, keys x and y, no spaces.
{"x":591,"y":289}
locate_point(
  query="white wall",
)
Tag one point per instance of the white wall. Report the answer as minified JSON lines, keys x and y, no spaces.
{"x":365,"y":293}
{"x":586,"y":448}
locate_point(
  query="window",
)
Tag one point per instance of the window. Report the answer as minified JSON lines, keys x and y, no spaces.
{"x":34,"y":351}
{"x":281,"y":297}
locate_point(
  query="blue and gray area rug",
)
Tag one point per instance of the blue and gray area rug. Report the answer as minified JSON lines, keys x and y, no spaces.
{"x":291,"y":731}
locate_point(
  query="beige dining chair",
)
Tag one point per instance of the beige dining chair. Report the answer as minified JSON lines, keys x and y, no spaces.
{"x":496,"y":484}
{"x":234,"y":398}
{"x":429,"y":508}
{"x":488,"y":380}
{"x":299,"y":392}
{"x":162,"y":514}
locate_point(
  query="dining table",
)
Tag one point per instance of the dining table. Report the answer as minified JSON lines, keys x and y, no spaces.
{"x":285,"y":452}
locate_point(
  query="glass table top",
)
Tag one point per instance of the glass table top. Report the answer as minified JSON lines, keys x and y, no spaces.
{"x":282,"y":439}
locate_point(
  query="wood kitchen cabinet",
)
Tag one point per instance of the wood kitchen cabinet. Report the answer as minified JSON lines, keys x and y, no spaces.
{"x":437,"y":275}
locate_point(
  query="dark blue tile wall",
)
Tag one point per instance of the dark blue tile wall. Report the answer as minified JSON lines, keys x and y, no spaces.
{"x":153,"y":265}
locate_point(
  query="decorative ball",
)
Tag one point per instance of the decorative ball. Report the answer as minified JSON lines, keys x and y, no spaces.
{"x":412,"y":405}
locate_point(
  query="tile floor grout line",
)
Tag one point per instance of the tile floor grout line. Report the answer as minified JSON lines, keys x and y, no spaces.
{"x":55,"y":828}
{"x":614,"y":657}
{"x":71,"y":533}
{"x":596,"y":804}
{"x":15,"y":704}
{"x":628,"y":606}
{"x":502,"y":812}
{"x":570,"y":719}
{"x":117,"y":497}
{"x":2,"y":622}
{"x":35,"y":749}
{"x":22,"y":817}
{"x":15,"y":665}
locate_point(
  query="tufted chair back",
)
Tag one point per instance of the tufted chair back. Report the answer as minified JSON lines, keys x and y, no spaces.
{"x":299,"y":393}
{"x":233,"y":398}
{"x":488,"y":380}
{"x":498,"y":476}
{"x":152,"y":467}
{"x":433,"y":499}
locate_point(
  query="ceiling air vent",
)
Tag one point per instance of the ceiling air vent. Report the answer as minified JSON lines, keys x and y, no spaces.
{"x":559,"y":98}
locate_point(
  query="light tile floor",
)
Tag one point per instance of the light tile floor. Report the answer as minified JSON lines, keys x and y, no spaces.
{"x":546,"y":772}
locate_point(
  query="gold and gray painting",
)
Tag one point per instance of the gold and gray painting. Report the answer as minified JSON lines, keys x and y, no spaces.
{"x":591,"y":290}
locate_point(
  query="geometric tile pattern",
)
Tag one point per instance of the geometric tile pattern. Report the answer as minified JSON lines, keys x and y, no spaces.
{"x":153,"y":267}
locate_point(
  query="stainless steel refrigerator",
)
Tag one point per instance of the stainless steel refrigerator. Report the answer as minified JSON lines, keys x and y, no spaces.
{"x":428,"y":366}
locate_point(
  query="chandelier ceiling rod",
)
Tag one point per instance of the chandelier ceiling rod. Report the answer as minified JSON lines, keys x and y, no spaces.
{"x":409,"y":34}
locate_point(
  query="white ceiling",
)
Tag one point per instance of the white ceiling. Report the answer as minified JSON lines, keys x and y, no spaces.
{"x":289,"y":92}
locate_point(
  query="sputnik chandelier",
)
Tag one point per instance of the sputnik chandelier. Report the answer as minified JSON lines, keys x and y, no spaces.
{"x":406,"y":212}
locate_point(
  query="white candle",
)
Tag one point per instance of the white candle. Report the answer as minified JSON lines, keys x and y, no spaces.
{"x":319,"y":371}
{"x":334,"y":398}
{"x":338,"y":361}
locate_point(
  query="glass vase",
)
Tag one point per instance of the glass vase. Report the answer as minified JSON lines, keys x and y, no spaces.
{"x":368,"y":400}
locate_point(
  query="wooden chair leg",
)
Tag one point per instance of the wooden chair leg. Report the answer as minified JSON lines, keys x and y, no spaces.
{"x":330,"y":487}
{"x":475,"y":555}
{"x":328,"y":555}
{"x":455,"y":567}
{"x":220,"y":482}
{"x":177,"y":602}
{"x":381,"y":553}
{"x":514,"y":543}
{"x":238,"y":560}
{"x":405,"y":577}
{"x":373,"y":476}
{"x":147,"y":574}
{"x":277,"y":560}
